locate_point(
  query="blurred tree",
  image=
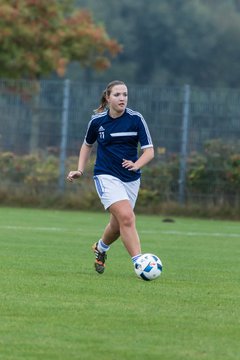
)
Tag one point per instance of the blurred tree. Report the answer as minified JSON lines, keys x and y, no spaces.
{"x":40,"y":36}
{"x":173,"y":42}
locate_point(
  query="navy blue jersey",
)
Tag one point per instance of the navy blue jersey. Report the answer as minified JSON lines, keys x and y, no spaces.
{"x":118,"y":139}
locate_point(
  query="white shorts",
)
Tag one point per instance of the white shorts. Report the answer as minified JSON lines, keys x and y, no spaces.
{"x":111,"y":189}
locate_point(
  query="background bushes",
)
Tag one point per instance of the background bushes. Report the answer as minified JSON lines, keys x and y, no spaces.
{"x":212,"y":183}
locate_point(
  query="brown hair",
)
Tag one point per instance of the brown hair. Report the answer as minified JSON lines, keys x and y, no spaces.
{"x":103,"y":102}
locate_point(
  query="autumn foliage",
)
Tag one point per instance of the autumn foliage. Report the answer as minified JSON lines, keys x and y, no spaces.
{"x":40,"y":36}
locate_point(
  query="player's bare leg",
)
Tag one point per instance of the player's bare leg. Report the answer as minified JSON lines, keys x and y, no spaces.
{"x":123,"y":212}
{"x":122,"y":222}
{"x":111,"y":232}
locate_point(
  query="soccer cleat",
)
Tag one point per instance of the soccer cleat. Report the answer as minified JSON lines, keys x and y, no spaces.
{"x":100,"y":259}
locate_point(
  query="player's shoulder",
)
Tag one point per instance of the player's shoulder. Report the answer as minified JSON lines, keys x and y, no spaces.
{"x":99,"y":116}
{"x":133,"y":113}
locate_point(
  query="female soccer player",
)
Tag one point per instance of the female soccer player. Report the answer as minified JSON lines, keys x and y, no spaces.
{"x":118,"y":130}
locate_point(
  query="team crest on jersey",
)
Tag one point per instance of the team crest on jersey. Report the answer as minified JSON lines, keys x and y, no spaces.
{"x":101,"y":132}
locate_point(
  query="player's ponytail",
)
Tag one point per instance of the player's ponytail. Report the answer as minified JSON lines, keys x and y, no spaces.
{"x":103,"y":101}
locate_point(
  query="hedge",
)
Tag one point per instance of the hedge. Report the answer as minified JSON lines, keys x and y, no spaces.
{"x":212,"y":183}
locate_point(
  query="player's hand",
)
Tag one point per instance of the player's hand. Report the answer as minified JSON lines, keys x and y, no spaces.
{"x":130,"y":165}
{"x":74,"y":175}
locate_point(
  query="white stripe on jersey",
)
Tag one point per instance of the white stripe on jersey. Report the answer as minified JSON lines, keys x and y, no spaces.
{"x":147,"y":146}
{"x":102,"y":113}
{"x":129,"y":133}
{"x":132,"y":112}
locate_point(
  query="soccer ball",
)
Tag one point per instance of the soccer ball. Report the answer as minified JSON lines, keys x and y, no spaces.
{"x":148,"y":267}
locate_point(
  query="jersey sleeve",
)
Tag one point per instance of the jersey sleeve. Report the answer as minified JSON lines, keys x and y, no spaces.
{"x":145,"y":138}
{"x":91,"y":134}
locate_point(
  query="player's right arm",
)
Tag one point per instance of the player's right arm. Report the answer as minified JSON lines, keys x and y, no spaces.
{"x":84,"y":156}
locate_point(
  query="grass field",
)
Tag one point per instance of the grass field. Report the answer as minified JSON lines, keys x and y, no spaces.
{"x":54,"y":306}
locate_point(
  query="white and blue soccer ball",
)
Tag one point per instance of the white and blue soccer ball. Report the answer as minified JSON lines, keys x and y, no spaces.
{"x":148,"y":267}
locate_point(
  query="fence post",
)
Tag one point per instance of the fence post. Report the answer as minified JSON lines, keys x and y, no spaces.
{"x":184,"y":144}
{"x":64,"y":131}
{"x":35,"y":123}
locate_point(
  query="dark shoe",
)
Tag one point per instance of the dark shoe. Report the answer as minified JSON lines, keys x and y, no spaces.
{"x":100,"y":259}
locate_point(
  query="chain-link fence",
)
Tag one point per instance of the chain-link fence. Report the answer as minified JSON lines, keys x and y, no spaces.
{"x":52,"y":116}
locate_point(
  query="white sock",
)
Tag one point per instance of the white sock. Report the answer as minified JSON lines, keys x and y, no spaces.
{"x":134,"y":258}
{"x":102,"y":247}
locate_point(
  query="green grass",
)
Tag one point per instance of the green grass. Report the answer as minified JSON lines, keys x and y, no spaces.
{"x":54,"y":306}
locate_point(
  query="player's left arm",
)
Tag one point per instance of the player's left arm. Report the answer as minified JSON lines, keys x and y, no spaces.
{"x":146,"y":146}
{"x":146,"y":157}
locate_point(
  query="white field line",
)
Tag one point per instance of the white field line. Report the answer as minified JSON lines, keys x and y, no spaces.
{"x":166,"y":232}
{"x":31,"y":228}
{"x":192,"y":233}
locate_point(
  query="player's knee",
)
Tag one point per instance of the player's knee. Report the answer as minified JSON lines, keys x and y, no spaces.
{"x":128,"y":219}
